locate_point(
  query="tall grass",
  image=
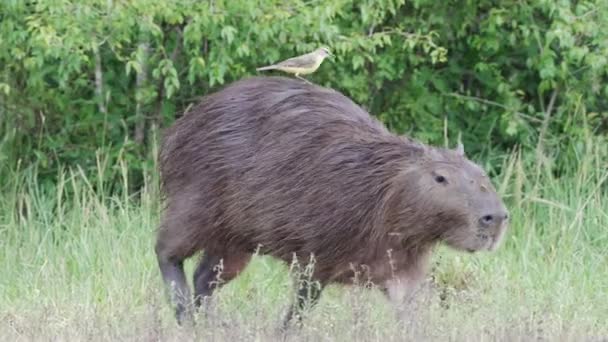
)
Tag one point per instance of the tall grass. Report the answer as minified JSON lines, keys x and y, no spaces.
{"x":76,"y":263}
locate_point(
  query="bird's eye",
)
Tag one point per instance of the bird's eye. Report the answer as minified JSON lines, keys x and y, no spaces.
{"x":440,"y":179}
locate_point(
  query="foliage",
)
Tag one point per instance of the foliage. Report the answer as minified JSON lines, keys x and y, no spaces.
{"x":82,"y":79}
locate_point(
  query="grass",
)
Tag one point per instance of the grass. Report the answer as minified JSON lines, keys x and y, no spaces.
{"x":78,"y":265}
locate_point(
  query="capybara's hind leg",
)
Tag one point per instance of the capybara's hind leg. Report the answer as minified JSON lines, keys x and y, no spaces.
{"x":213,"y":271}
{"x":309,"y":293}
{"x":171,"y":264}
{"x":203,"y":277}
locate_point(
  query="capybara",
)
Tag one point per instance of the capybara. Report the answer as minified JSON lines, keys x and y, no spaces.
{"x":294,"y":170}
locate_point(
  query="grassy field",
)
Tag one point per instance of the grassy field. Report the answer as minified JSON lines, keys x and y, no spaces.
{"x":78,"y":265}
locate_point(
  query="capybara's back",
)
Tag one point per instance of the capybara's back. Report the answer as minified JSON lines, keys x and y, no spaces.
{"x":288,"y":169}
{"x":276,"y":164}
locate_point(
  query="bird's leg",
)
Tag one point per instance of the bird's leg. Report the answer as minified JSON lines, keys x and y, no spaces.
{"x":302,"y":78}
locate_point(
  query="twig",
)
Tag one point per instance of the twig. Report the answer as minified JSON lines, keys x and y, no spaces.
{"x":99,"y":81}
{"x":551,"y":203}
{"x":492,"y":103}
{"x":370,"y":32}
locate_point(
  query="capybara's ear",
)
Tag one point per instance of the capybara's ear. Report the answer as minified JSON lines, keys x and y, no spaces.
{"x":460,"y":149}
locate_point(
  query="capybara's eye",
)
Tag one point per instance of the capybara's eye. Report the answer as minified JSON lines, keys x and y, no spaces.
{"x":440,"y":179}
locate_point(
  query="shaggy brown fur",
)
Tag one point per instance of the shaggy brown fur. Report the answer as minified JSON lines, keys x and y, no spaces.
{"x":297,"y":170}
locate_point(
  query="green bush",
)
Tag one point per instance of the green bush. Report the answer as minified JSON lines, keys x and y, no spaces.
{"x":91,"y":81}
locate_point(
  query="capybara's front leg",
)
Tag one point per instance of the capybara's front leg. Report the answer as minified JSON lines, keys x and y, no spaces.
{"x":401,"y":291}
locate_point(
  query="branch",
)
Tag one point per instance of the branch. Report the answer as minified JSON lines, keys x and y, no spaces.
{"x":99,"y":82}
{"x":140,"y":82}
{"x":158,"y":119}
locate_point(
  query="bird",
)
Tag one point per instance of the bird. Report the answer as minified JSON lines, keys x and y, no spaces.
{"x":301,"y":65}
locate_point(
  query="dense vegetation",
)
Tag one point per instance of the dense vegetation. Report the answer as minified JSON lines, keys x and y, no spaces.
{"x":82,"y":80}
{"x":86,"y":87}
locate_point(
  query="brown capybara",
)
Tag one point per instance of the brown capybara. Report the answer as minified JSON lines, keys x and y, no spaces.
{"x":293,"y":170}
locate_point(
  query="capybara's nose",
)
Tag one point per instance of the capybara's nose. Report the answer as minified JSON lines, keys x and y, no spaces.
{"x":495,"y":219}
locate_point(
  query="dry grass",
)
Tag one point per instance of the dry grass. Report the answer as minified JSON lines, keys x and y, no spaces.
{"x":77,"y":265}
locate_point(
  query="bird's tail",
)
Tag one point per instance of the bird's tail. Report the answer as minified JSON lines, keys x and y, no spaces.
{"x":270,"y":67}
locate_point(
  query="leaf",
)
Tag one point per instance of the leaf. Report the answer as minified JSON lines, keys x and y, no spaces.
{"x":228,"y":33}
{"x":357,"y":61}
{"x":5,"y":88}
{"x":133,"y":65}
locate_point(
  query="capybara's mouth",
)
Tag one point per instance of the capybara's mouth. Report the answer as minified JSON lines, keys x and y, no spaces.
{"x":493,"y":245}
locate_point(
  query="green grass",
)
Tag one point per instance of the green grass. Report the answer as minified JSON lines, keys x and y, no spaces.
{"x":78,"y":265}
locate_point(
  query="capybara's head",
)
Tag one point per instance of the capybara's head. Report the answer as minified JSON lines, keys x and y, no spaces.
{"x":455,"y":200}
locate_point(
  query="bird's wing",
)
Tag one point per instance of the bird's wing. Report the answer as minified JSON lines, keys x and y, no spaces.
{"x":298,"y":62}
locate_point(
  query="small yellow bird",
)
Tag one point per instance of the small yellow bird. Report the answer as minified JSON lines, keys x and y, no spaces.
{"x":301,"y":65}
